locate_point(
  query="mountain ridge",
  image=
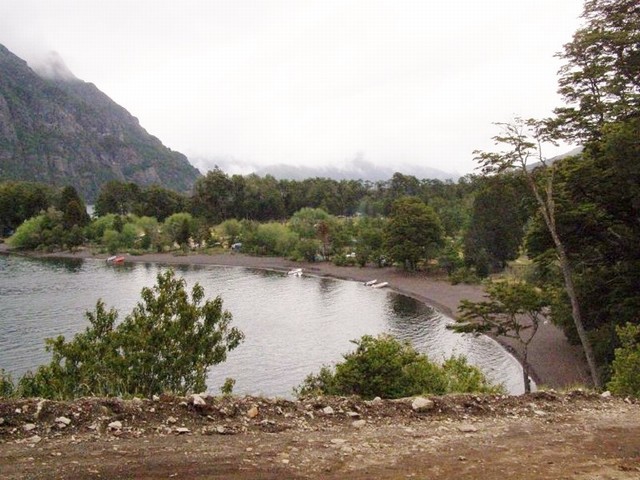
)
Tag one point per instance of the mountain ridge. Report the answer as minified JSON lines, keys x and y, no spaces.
{"x":57,"y":129}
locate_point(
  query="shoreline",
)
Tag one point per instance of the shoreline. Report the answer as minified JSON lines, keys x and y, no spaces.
{"x":554,"y":362}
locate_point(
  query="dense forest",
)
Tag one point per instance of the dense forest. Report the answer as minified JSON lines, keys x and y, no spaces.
{"x":569,"y":224}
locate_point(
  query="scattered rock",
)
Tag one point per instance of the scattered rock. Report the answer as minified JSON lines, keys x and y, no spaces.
{"x":182,"y":430}
{"x":327,"y":410}
{"x":197,"y":400}
{"x":1,"y":420}
{"x":117,"y":425}
{"x":353,"y":414}
{"x":253,"y":412}
{"x":338,"y":441}
{"x":466,"y":428}
{"x":62,"y":422}
{"x":606,"y":394}
{"x":421,"y":404}
{"x":39,"y":407}
{"x":359,"y":423}
{"x":35,"y":439}
{"x":171,"y":420}
{"x":27,"y":427}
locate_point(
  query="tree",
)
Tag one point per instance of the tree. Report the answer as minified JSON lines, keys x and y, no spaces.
{"x":213,"y":197}
{"x":601,"y":79}
{"x":74,"y":211}
{"x":626,"y":365}
{"x":496,"y":229}
{"x":116,"y":197}
{"x":20,"y":201}
{"x":166,"y":344}
{"x":514,"y":310}
{"x":524,"y":140}
{"x":385,"y":367}
{"x":414,"y":232}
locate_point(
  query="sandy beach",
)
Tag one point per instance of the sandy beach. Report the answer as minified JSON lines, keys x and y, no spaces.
{"x":554,"y":362}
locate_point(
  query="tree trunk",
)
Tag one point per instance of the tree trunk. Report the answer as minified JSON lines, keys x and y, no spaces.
{"x":547,"y":208}
{"x":525,"y":371}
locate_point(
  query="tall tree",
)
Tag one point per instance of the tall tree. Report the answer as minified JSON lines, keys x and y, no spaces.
{"x":414,"y":232}
{"x":601,"y":77}
{"x":524,"y":141}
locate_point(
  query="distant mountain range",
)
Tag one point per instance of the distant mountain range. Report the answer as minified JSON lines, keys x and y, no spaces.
{"x":355,"y":169}
{"x":57,"y":129}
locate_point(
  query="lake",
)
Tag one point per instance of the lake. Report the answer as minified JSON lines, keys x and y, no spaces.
{"x":293,"y":325}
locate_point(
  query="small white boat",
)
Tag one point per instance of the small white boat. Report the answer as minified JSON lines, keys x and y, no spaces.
{"x":380,"y":285}
{"x":296,"y":272}
{"x":115,"y":259}
{"x":370,"y":283}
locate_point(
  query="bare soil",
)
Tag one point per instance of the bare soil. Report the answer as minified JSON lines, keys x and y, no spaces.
{"x":545,"y":435}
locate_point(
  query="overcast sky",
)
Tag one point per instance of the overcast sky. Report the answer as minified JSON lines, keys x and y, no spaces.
{"x":310,"y":82}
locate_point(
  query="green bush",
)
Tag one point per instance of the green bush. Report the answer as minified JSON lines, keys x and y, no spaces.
{"x":626,"y":365}
{"x":385,"y":367}
{"x":166,"y":344}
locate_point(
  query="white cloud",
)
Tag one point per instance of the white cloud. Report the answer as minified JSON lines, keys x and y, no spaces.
{"x":310,"y":82}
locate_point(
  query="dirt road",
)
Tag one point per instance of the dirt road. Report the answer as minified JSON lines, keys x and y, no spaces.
{"x":541,"y":436}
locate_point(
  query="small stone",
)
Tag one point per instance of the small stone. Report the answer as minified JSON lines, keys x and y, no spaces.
{"x":171,"y":420}
{"x":539,"y":413}
{"x":327,"y":410}
{"x":34,"y":439}
{"x":421,"y":404}
{"x":467,"y":428}
{"x":376,"y":401}
{"x":353,"y":414}
{"x":39,"y":407}
{"x":606,"y":394}
{"x":182,"y":430}
{"x":221,"y":430}
{"x":462,"y":458}
{"x":285,"y":461}
{"x":18,"y":410}
{"x":197,"y":399}
{"x":253,"y":412}
{"x":155,"y":398}
{"x":359,"y":423}
{"x":63,"y":421}
{"x":27,"y":427}
{"x":338,"y":441}
{"x":117,"y":425}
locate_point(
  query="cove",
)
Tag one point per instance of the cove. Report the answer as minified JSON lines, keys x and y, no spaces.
{"x":293,"y":325}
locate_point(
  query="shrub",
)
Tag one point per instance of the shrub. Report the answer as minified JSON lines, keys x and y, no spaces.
{"x":166,"y":344}
{"x":385,"y":367}
{"x":626,"y":365}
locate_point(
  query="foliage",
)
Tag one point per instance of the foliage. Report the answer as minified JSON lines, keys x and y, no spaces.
{"x":514,"y":310}
{"x":20,"y":201}
{"x":385,"y":367}
{"x":7,"y":388}
{"x":166,"y":344}
{"x":413,"y":234}
{"x":179,"y":228}
{"x":626,"y":365}
{"x":270,"y":239}
{"x":497,"y":223}
{"x":601,"y":77}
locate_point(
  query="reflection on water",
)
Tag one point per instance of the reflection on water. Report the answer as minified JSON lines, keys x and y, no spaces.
{"x":293,"y":325}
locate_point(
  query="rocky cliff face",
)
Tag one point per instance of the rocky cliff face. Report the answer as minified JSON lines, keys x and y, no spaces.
{"x":57,"y":129}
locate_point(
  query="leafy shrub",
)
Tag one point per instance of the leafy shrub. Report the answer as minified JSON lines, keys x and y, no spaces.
{"x":166,"y":344}
{"x":626,"y":365}
{"x":385,"y":367}
{"x":7,"y":388}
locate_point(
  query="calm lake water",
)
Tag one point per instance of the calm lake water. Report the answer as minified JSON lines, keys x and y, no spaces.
{"x":293,"y":325}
